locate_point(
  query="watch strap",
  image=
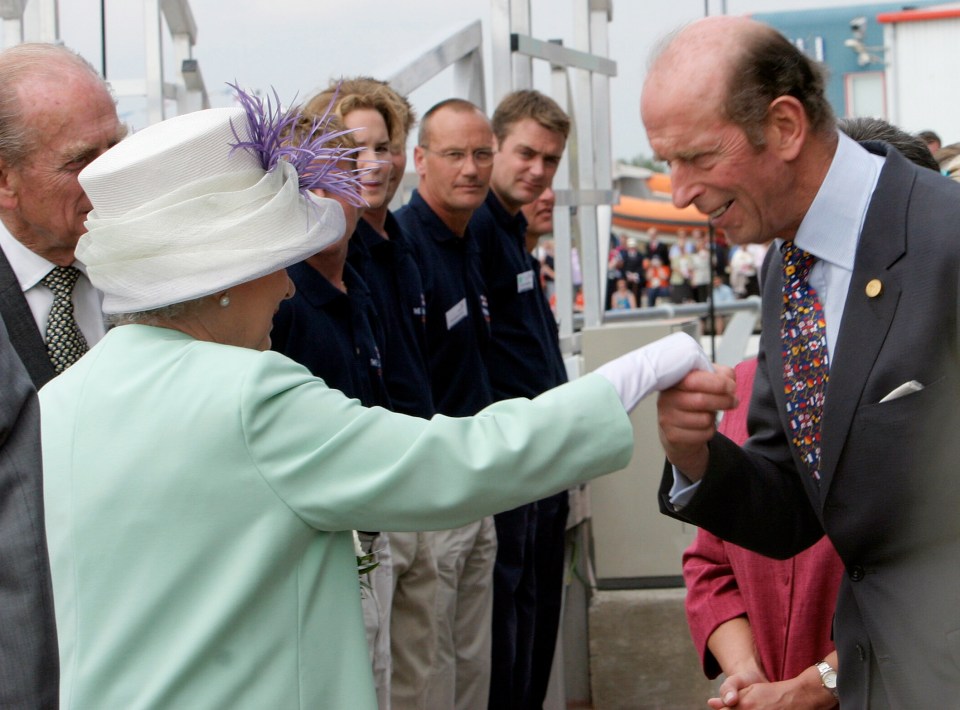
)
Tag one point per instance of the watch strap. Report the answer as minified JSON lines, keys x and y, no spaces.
{"x":828,"y":677}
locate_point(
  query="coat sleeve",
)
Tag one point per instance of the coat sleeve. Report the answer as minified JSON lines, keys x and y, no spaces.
{"x":342,"y":466}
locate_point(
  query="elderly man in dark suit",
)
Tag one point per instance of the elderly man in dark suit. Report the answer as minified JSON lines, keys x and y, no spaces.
{"x":28,"y":643}
{"x":852,"y":412}
{"x":56,"y":116}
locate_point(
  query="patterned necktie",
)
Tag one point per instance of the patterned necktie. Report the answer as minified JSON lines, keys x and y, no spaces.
{"x":806,"y":363}
{"x":65,"y":341}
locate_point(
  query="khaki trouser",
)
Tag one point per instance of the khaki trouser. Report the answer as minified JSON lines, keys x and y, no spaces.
{"x":413,"y":619}
{"x":465,"y":559}
{"x":376,"y":591}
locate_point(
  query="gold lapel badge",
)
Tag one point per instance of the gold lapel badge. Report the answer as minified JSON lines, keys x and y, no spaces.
{"x":874,"y":288}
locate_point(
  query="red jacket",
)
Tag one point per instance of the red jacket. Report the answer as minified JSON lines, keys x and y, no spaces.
{"x":789,"y":603}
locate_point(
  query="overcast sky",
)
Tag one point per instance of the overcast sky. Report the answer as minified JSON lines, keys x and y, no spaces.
{"x":297,"y":46}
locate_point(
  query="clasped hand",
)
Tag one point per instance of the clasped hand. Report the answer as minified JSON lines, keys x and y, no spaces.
{"x":687,"y":416}
{"x":752,"y":691}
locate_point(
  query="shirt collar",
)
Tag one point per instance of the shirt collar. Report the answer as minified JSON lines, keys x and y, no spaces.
{"x":831,"y":228}
{"x":28,"y":266}
{"x":512,"y":224}
{"x":436,"y":228}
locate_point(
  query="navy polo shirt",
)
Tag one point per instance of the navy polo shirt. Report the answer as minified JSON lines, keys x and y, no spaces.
{"x":389,"y":270}
{"x":333,"y":334}
{"x":524,"y":358}
{"x":458,"y":320}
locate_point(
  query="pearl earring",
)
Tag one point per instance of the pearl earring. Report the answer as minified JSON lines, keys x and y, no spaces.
{"x":224,"y":301}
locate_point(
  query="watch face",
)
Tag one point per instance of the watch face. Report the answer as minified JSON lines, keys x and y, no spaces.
{"x":830,"y":679}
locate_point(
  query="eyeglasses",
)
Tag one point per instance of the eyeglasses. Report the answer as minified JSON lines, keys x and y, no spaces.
{"x":482,"y":158}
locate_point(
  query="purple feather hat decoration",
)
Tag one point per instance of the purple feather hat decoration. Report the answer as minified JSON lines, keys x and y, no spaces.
{"x":274,"y":137}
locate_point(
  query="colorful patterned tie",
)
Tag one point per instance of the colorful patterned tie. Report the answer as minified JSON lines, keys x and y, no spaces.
{"x":65,"y":341}
{"x":806,"y":363}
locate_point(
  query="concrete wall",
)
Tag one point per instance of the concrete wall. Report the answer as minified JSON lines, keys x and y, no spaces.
{"x":641,"y":655}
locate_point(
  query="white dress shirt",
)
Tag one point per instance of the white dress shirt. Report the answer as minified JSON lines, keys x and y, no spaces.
{"x":30,"y":268}
{"x":830,"y":231}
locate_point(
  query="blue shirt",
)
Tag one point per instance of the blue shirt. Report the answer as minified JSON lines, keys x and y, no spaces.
{"x":333,"y":334}
{"x":831,"y":228}
{"x":388,"y":268}
{"x":524,"y":359}
{"x":458,"y":319}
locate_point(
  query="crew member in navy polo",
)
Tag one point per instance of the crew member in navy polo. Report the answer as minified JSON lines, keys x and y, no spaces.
{"x":453,"y":158}
{"x":523,"y":360}
{"x":380,"y":252}
{"x":457,"y":314}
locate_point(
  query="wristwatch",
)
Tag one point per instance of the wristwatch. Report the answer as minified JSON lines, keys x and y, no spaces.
{"x":828,"y":676}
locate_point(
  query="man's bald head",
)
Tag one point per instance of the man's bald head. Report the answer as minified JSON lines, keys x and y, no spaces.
{"x":742,"y":66}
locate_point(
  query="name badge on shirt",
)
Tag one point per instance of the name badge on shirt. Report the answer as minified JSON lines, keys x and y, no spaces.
{"x":457,"y":313}
{"x":525,"y":281}
{"x":421,"y":310}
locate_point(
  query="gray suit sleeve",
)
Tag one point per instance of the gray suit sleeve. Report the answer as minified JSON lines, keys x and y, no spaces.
{"x":29,"y":670}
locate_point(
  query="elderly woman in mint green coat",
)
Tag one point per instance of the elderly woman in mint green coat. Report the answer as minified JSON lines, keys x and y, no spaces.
{"x":201,"y":491}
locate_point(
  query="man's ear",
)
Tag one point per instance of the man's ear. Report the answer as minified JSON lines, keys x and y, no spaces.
{"x":418,"y":158}
{"x":9,"y":186}
{"x":786,"y":127}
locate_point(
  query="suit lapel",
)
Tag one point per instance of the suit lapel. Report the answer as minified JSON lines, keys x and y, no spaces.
{"x":22,"y":328}
{"x":867,"y":315}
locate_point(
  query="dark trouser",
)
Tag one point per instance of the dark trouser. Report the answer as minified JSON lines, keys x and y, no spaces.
{"x":552,"y":515}
{"x":514,"y":607}
{"x":655,"y":292}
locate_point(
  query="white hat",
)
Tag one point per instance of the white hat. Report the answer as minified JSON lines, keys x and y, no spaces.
{"x":185,"y":208}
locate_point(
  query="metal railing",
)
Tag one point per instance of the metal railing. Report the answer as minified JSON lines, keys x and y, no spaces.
{"x":38,"y":21}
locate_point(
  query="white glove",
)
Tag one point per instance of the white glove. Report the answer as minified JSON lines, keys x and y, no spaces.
{"x":654,"y":367}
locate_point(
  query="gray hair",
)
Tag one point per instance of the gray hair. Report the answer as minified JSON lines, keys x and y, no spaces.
{"x":156,"y":316}
{"x":769,"y":66}
{"x":913,"y":148}
{"x":27,"y":63}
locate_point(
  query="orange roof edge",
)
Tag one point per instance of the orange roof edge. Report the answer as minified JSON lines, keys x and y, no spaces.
{"x":934,"y":13}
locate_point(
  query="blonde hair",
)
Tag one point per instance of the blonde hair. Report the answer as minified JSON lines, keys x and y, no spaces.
{"x":348,"y":95}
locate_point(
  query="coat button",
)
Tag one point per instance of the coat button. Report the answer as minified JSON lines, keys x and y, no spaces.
{"x":856,"y":573}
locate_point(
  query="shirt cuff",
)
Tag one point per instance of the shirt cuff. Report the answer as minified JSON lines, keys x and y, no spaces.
{"x":682,"y":490}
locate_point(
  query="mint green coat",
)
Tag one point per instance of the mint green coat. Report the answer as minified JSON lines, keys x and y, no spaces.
{"x":200,"y":498}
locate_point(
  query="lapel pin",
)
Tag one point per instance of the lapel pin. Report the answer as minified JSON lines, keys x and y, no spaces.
{"x":874,"y":288}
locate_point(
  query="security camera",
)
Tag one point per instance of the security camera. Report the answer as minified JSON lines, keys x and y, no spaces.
{"x":858,"y":26}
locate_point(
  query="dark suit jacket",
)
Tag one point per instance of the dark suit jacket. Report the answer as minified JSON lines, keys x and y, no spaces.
{"x":29,"y":670}
{"x":22,"y":328}
{"x":889,"y":498}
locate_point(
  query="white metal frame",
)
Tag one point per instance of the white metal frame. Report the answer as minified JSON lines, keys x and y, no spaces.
{"x":462,"y":50}
{"x":38,"y":21}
